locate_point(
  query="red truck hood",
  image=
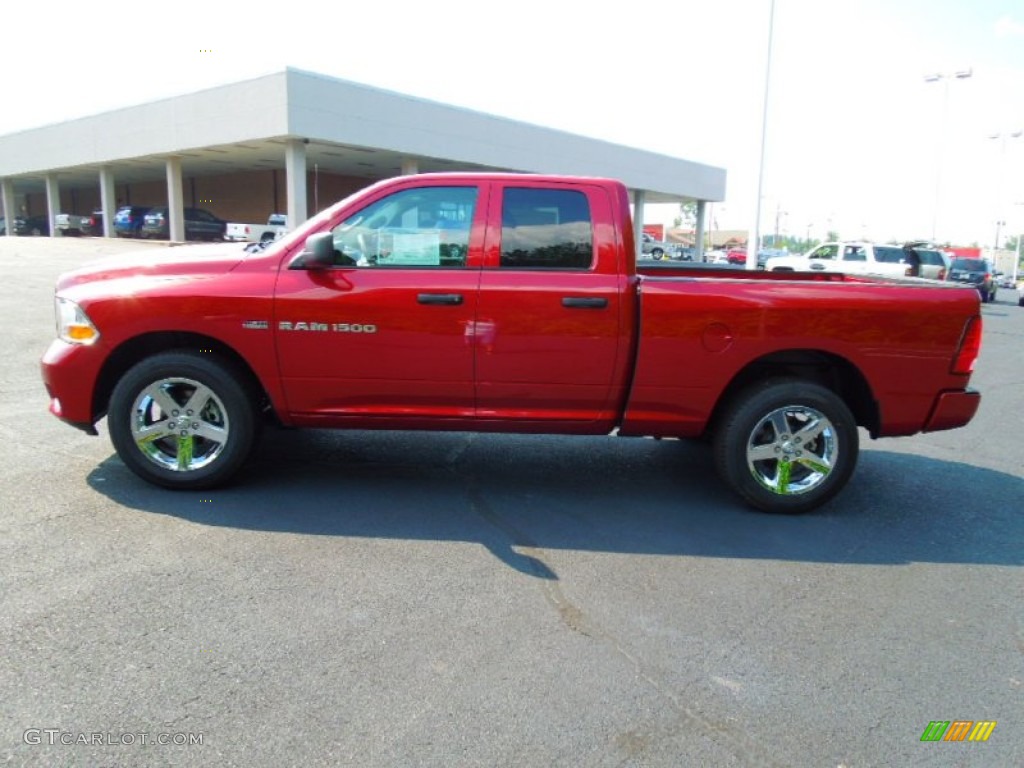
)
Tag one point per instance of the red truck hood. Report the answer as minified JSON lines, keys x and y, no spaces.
{"x":184,"y":261}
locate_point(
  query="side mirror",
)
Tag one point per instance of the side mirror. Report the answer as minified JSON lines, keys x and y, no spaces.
{"x":317,"y":253}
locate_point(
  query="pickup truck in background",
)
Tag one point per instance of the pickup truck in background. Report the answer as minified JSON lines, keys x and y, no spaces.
{"x":852,"y":258}
{"x":503,"y":303}
{"x":276,"y":227}
{"x":655,"y":248}
{"x":71,"y":224}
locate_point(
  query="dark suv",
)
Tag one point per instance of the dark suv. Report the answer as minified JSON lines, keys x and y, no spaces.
{"x":976,"y":272}
{"x":199,"y":224}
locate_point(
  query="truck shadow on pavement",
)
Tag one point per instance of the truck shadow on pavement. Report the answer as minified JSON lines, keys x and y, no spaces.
{"x":520,"y":495}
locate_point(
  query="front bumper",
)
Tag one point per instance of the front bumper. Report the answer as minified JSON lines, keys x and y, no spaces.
{"x":69,"y":373}
{"x":952,"y":410}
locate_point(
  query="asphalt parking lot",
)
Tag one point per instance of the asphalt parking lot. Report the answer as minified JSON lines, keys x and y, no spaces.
{"x":387,"y":599}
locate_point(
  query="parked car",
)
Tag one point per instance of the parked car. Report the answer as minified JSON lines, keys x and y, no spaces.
{"x":128,"y":220}
{"x":187,"y":356}
{"x":927,"y":260}
{"x":934,"y":263}
{"x":854,"y":258}
{"x":769,"y":253}
{"x":653,"y":248}
{"x":976,"y":272}
{"x":32,"y":225}
{"x":736,"y":256}
{"x":200,"y":224}
{"x":70,"y":224}
{"x":1020,"y":294}
{"x":94,"y":224}
{"x":275,"y":228}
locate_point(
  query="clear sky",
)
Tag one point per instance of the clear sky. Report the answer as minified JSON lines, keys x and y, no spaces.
{"x":857,"y":141}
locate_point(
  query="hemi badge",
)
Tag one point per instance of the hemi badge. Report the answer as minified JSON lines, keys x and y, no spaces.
{"x":256,"y":325}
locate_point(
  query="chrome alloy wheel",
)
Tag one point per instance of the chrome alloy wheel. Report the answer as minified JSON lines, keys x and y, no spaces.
{"x":179,"y":424}
{"x":792,"y":450}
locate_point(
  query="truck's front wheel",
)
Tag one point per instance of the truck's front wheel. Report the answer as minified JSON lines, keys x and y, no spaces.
{"x":182,"y":420}
{"x":787,"y":445}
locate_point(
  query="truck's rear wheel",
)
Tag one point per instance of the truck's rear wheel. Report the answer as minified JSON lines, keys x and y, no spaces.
{"x":182,"y":420}
{"x":787,"y":445}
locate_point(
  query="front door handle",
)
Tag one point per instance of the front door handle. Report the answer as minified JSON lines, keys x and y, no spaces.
{"x":453,"y":299}
{"x":584,"y":302}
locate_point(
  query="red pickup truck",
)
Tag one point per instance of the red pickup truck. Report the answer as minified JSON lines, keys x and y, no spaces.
{"x":506,"y":303}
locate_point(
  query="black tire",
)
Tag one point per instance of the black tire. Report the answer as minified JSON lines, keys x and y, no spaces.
{"x":811,"y":415}
{"x":197,"y":447}
{"x":657,"y":253}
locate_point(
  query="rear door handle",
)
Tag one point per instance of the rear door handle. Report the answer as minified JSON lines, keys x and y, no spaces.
{"x":584,"y":302}
{"x":440,"y":298}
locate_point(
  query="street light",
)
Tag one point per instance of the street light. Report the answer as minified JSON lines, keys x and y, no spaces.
{"x":1002,"y":136}
{"x":944,"y":78}
{"x":1000,"y":223}
{"x":754,"y":243}
{"x":779,"y":213}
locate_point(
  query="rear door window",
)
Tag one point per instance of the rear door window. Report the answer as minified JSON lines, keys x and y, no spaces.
{"x":546,"y":229}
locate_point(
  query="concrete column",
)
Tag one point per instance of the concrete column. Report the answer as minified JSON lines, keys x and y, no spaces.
{"x":295,"y":182}
{"x":7,"y":190}
{"x":698,"y":231}
{"x":639,"y":198}
{"x":52,"y":202}
{"x":410,"y":166}
{"x":108,"y":202}
{"x":175,"y":199}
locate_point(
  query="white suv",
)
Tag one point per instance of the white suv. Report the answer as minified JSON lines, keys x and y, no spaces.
{"x":853,"y":258}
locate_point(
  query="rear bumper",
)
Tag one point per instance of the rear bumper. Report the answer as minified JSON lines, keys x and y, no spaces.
{"x":952,"y":410}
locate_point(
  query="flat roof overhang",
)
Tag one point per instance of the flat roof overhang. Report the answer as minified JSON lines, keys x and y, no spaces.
{"x":348,"y":129}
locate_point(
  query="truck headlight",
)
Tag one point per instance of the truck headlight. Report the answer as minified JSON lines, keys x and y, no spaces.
{"x":73,"y":325}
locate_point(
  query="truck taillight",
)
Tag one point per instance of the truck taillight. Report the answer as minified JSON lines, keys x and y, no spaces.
{"x":970,"y":346}
{"x":942,"y":274}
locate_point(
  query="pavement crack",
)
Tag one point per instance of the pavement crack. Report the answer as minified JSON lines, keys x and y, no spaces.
{"x":529,"y":559}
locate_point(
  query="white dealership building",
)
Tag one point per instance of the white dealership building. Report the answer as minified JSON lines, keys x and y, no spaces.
{"x":295,"y":142}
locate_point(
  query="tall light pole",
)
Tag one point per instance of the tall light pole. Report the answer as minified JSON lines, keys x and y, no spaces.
{"x":1016,"y":261}
{"x":754,"y":243}
{"x":1000,"y":223}
{"x":779,"y":213}
{"x":1002,"y":136}
{"x":944,"y":78}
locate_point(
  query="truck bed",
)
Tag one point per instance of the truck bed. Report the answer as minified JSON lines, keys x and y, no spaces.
{"x":704,"y":325}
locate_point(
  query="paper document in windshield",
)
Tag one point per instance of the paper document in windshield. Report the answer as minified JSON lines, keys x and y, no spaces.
{"x":409,"y":248}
